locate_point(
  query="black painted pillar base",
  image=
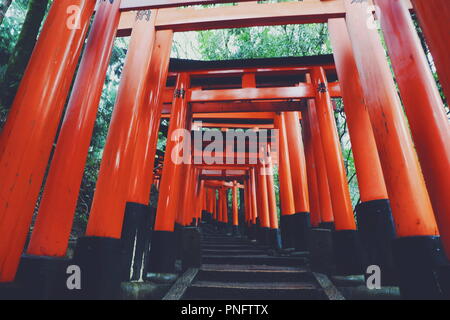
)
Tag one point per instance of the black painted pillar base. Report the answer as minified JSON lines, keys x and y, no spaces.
{"x":135,"y":238}
{"x":263,"y":236}
{"x":162,"y":255}
{"x":376,"y":232}
{"x":235,"y":230}
{"x":43,"y":278}
{"x":206,"y":216}
{"x":100,"y":260}
{"x":286,"y":225}
{"x":348,"y":252}
{"x":191,"y":256}
{"x":418,"y":260}
{"x":327,"y":225}
{"x":275,"y":238}
{"x":252,"y":228}
{"x":444,"y":280}
{"x":300,"y":231}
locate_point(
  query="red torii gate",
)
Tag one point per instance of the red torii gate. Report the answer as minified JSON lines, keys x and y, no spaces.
{"x":364,"y":74}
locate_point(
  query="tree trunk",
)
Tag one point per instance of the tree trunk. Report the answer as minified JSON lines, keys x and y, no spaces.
{"x":4,"y":5}
{"x":22,"y":51}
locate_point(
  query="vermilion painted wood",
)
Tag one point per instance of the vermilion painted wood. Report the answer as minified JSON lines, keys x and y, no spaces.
{"x":263,"y":208}
{"x":235,"y":205}
{"x":337,"y":180}
{"x":297,"y":162}
{"x":189,"y":19}
{"x":302,"y":91}
{"x":253,"y":195}
{"x":128,"y":5}
{"x":273,"y":210}
{"x":171,"y":182}
{"x":311,"y":167}
{"x":284,"y":170}
{"x":28,"y":135}
{"x":108,"y":206}
{"x":423,"y":105}
{"x":411,"y":207}
{"x":149,"y":120}
{"x":433,"y":17}
{"x":367,"y":162}
{"x":51,"y":231}
{"x":326,"y":208}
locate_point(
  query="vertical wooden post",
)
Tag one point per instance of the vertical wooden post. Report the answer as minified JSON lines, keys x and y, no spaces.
{"x":108,"y":206}
{"x":326,"y":208}
{"x":162,"y":253}
{"x":417,"y":247}
{"x":297,"y":163}
{"x":375,"y":224}
{"x":345,"y":238}
{"x":311,"y":167}
{"x":423,"y":105}
{"x":274,"y":235}
{"x":286,"y":193}
{"x":27,"y":137}
{"x":433,"y":17}
{"x":235,"y":209}
{"x":149,"y":120}
{"x":51,"y":231}
{"x":263,"y":208}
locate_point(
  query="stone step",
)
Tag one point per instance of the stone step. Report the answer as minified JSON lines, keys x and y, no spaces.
{"x":216,"y":290}
{"x":234,"y":251}
{"x":255,"y":259}
{"x":253,"y":273}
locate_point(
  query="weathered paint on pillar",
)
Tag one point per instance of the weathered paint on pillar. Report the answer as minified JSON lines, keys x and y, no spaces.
{"x":171,"y":182}
{"x":411,"y":207}
{"x":337,"y":180}
{"x":27,"y":138}
{"x":423,"y":105}
{"x":54,"y":221}
{"x":368,"y":168}
{"x":433,"y":18}
{"x":149,"y":120}
{"x":108,"y":206}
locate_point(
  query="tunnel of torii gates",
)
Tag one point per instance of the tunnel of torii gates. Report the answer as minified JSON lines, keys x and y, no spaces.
{"x":402,"y":159}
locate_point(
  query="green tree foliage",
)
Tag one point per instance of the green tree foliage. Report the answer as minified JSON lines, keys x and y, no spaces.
{"x":4,"y":5}
{"x":22,"y":51}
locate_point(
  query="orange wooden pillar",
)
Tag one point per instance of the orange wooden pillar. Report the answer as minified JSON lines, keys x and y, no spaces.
{"x":162,"y":253}
{"x":433,"y":18}
{"x":375,"y":224}
{"x":417,"y":247}
{"x":263,"y":205}
{"x":423,"y":105}
{"x":299,"y":180}
{"x":51,"y":231}
{"x":27,"y":137}
{"x":254,"y":205}
{"x":102,"y":244}
{"x":326,"y":208}
{"x":311,"y":167}
{"x":274,"y":235}
{"x":235,"y":208}
{"x":285,"y":180}
{"x":345,"y":238}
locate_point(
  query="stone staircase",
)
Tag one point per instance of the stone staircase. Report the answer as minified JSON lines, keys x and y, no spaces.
{"x":234,"y":268}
